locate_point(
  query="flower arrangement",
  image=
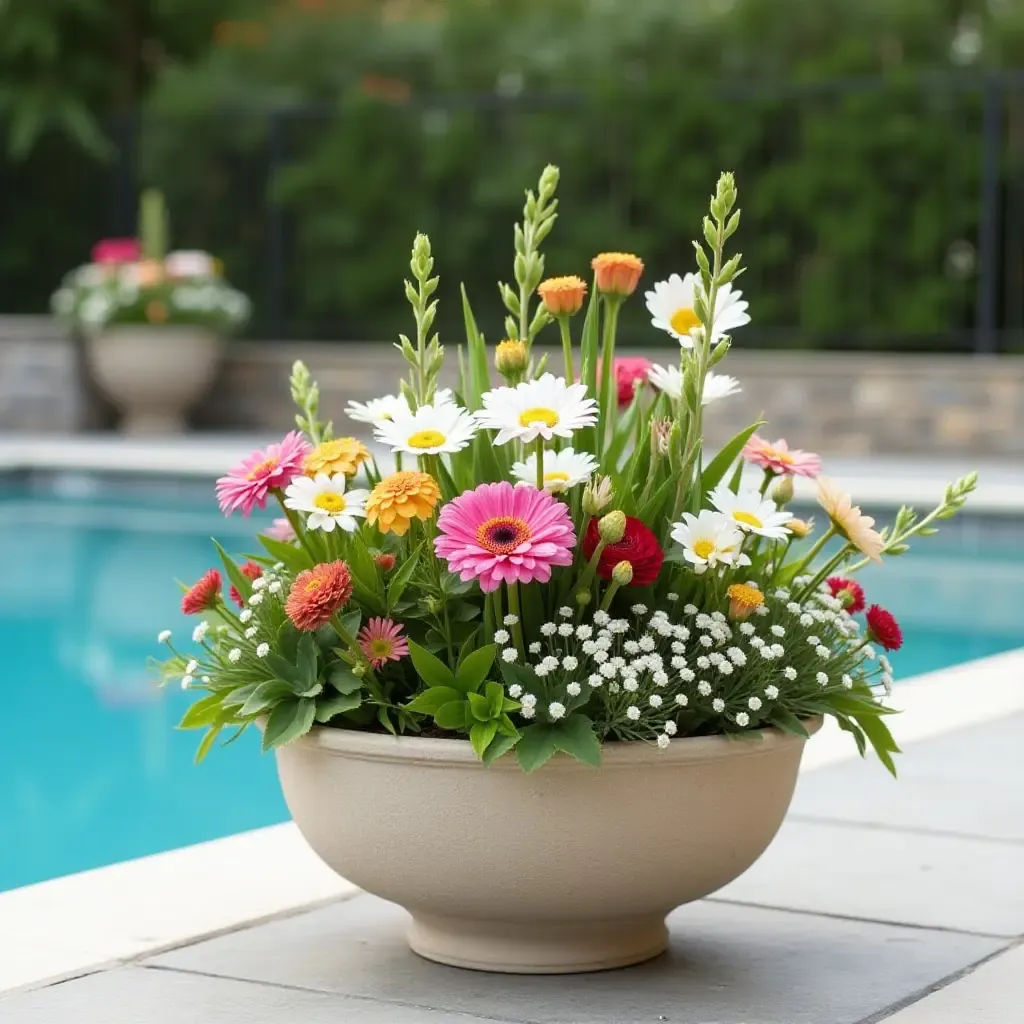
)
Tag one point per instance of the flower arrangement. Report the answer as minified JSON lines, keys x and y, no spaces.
{"x":553,"y":563}
{"x":133,"y":282}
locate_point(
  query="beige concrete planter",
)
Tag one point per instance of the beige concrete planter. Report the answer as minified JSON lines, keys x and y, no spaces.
{"x":568,"y":869}
{"x":152,"y":373}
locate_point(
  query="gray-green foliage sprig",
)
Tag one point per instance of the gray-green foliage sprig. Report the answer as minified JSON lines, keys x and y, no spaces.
{"x":539,"y":215}
{"x":427,"y":355}
{"x":306,"y":395}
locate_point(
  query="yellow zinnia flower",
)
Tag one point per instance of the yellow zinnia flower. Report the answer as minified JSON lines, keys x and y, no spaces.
{"x":400,"y":498}
{"x":343,"y":455}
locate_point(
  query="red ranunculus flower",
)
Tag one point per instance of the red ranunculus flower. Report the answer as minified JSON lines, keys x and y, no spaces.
{"x":884,"y":629}
{"x":850,"y":592}
{"x":253,"y":572}
{"x":638,"y":546}
{"x":203,"y":594}
{"x":629,"y":371}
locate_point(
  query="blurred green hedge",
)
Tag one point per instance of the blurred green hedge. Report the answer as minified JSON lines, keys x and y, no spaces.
{"x":855,"y":131}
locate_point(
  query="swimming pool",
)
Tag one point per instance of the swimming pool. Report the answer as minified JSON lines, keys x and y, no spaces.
{"x":92,"y":770}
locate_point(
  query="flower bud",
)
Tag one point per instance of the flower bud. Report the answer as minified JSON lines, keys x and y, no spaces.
{"x":622,"y":574}
{"x":385,"y":561}
{"x":510,"y":358}
{"x":562,"y":296}
{"x":597,"y":495}
{"x":359,"y":670}
{"x":661,"y":436}
{"x":782,"y":492}
{"x":433,"y":605}
{"x":800,"y":528}
{"x":617,"y":273}
{"x":612,"y":528}
{"x":743,"y":600}
{"x":583,"y":598}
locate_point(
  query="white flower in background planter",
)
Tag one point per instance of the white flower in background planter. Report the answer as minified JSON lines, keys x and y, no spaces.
{"x":190,"y":263}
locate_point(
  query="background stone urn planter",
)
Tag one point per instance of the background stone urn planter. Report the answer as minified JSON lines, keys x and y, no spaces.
{"x":152,"y":373}
{"x":567,"y":869}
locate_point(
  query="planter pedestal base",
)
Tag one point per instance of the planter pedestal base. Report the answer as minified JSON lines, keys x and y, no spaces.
{"x":537,"y":948}
{"x":139,"y":423}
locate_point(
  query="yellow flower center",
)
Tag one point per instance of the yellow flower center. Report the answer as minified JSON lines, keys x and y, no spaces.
{"x":381,"y":647}
{"x":330,"y":501}
{"x":774,"y":453}
{"x":556,"y":477}
{"x":749,"y":519}
{"x":426,"y":439}
{"x":265,"y":467}
{"x":539,"y":415}
{"x":745,"y":596}
{"x":313,"y":585}
{"x":684,"y":320}
{"x":502,"y":534}
{"x":703,"y":548}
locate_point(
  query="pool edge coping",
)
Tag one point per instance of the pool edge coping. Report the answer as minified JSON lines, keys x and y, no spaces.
{"x":136,"y":908}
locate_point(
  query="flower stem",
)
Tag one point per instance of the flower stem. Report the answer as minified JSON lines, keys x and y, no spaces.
{"x":358,"y":657}
{"x":829,"y":566}
{"x":815,"y":550}
{"x":293,"y":518}
{"x":563,"y":326}
{"x":608,"y":595}
{"x":540,"y":463}
{"x":513,"y":607}
{"x":605,"y":406}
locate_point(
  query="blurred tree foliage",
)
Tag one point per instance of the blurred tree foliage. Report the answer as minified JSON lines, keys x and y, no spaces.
{"x":855,"y":130}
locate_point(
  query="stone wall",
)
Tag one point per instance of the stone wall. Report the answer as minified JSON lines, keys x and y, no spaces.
{"x":839,"y":403}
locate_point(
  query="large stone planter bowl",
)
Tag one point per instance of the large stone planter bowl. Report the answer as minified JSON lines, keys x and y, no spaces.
{"x":568,"y":869}
{"x":153,"y":373}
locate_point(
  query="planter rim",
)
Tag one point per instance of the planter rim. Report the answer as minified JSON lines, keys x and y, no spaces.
{"x":373,"y":746}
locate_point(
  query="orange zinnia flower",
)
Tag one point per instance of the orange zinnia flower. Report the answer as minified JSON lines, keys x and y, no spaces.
{"x":563,"y":296}
{"x":342,"y":455}
{"x":400,"y":498}
{"x":617,"y":273}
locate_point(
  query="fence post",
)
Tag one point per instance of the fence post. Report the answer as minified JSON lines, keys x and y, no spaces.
{"x":276,"y":157}
{"x":985,"y":336}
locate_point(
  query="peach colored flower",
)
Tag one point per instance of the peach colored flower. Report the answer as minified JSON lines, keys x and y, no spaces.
{"x":743,"y":600}
{"x":317,"y":594}
{"x":342,"y":455}
{"x":563,"y":296}
{"x":780,"y":458}
{"x":848,"y":519}
{"x":617,"y":273}
{"x":400,"y":498}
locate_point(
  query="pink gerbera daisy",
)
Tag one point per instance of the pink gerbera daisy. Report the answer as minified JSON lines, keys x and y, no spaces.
{"x":381,"y":641}
{"x":246,"y":486}
{"x":500,"y":533}
{"x":281,"y":530}
{"x":780,"y":458}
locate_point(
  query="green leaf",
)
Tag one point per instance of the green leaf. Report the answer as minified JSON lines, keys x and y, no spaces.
{"x":479,"y":376}
{"x":536,"y":747}
{"x":881,"y":739}
{"x":344,"y":680}
{"x":473,"y":670}
{"x":495,"y":694}
{"x":237,"y":577}
{"x":713,"y":472}
{"x":787,"y":722}
{"x":430,"y":669}
{"x":284,"y":670}
{"x":288,"y":721}
{"x":327,"y":709}
{"x":575,"y":736}
{"x":202,"y":712}
{"x":452,"y":715}
{"x":385,"y":719}
{"x":400,"y":579}
{"x":501,"y":744}
{"x":350,"y":621}
{"x":429,"y":701}
{"x":366,"y":580}
{"x":479,"y":706}
{"x":207,"y":742}
{"x":264,"y":696}
{"x":307,"y":662}
{"x":294,"y":558}
{"x":481,"y":734}
{"x":521,"y":674}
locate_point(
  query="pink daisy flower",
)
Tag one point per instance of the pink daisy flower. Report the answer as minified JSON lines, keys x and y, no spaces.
{"x":780,"y":458}
{"x":281,"y":530}
{"x":381,"y":641}
{"x":500,"y":533}
{"x":246,"y":486}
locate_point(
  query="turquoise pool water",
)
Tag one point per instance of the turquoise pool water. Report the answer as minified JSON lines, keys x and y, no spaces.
{"x":92,"y":770}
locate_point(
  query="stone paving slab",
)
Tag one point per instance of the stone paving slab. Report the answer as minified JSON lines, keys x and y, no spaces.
{"x":931,"y":881}
{"x":135,"y":995}
{"x":965,"y":783}
{"x":726,"y":965}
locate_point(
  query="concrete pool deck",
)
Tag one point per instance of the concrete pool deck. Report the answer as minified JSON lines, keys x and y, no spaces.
{"x":878,"y":901}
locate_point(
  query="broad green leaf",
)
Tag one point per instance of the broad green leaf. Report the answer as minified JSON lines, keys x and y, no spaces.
{"x":575,"y":736}
{"x":480,"y":735}
{"x":536,"y":747}
{"x":479,"y":374}
{"x":521,"y":674}
{"x":479,"y":706}
{"x":202,"y":712}
{"x":501,"y":744}
{"x":264,"y":696}
{"x":288,"y":721}
{"x":400,"y":579}
{"x":238,"y":696}
{"x":430,"y":669}
{"x":307,"y":662}
{"x":787,"y":722}
{"x":336,"y":705}
{"x":237,"y":577}
{"x":880,"y":738}
{"x":283,"y":669}
{"x":428,"y":702}
{"x":207,"y":741}
{"x":713,"y":472}
{"x":350,"y":621}
{"x":366,"y":581}
{"x":473,"y":670}
{"x":495,"y":694}
{"x":452,"y":715}
{"x":295,"y":558}
{"x":385,"y":719}
{"x":344,"y":680}
{"x":652,"y":510}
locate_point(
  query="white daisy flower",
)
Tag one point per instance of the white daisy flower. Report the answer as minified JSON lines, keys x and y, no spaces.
{"x":327,"y":503}
{"x":709,"y":539}
{"x":430,"y":430}
{"x":671,"y":305}
{"x":163,"y":636}
{"x":670,"y":380}
{"x":562,"y":470}
{"x":751,"y":511}
{"x":547,"y":408}
{"x":378,"y":410}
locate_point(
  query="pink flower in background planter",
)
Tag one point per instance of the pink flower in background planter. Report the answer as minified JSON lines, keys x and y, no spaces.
{"x":780,"y":458}
{"x":630,"y":370}
{"x":247,"y":485}
{"x":381,"y":640}
{"x":281,"y":530}
{"x":116,"y":250}
{"x":500,"y":533}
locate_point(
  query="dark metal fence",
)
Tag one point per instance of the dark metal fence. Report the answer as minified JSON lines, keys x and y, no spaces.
{"x":877,"y":213}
